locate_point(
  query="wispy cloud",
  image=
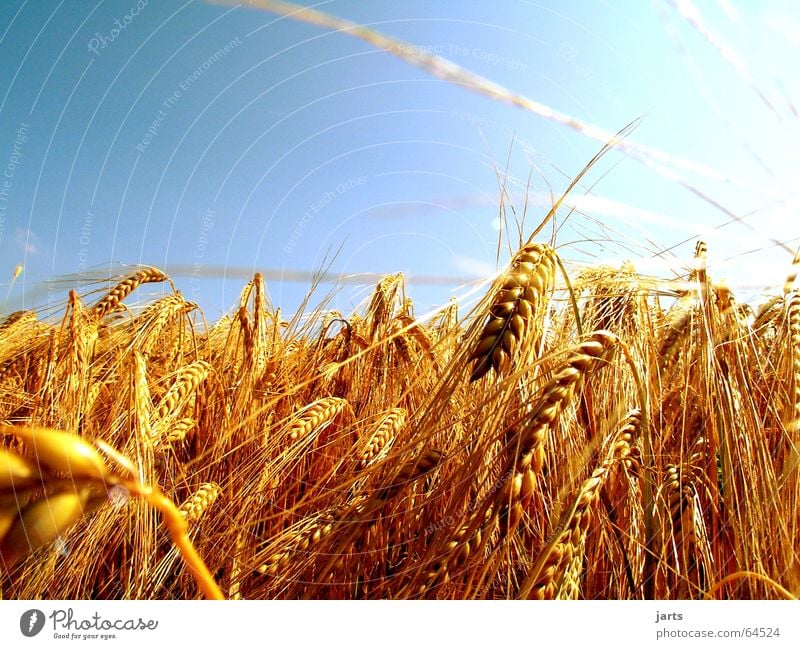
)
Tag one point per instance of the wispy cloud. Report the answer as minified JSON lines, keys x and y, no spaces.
{"x":26,"y":240}
{"x":784,"y":25}
{"x":476,"y":267}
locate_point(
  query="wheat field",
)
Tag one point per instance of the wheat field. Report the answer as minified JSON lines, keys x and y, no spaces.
{"x":576,"y":432}
{"x":603,"y":434}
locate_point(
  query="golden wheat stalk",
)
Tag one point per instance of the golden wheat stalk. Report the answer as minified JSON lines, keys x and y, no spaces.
{"x":410,"y":472}
{"x":463,"y":545}
{"x":15,"y":471}
{"x":40,"y":522}
{"x":193,"y":508}
{"x":361,"y":516}
{"x":28,"y":523}
{"x":699,"y":273}
{"x":185,"y":384}
{"x":387,"y":294}
{"x":178,"y":431}
{"x":527,"y":445}
{"x":91,"y":396}
{"x":60,"y":452}
{"x":156,"y":318}
{"x":555,"y":573}
{"x":685,"y":539}
{"x":386,"y":431}
{"x":142,"y":405}
{"x":69,"y":469}
{"x":17,"y":319}
{"x":789,"y":470}
{"x":112,"y":300}
{"x":613,"y":296}
{"x":315,"y":415}
{"x":676,"y":327}
{"x":346,"y":527}
{"x":299,"y":544}
{"x":793,"y":319}
{"x":517,"y":308}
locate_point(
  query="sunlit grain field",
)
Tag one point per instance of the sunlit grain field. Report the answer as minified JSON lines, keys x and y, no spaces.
{"x":601,"y":435}
{"x":561,"y":430}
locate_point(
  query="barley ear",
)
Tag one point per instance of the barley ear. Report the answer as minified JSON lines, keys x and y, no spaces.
{"x":15,"y":471}
{"x":61,"y":452}
{"x":41,"y":522}
{"x":517,"y":309}
{"x":195,"y":506}
{"x":112,"y":300}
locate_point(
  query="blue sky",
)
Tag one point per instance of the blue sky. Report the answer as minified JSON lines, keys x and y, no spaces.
{"x":214,"y":141}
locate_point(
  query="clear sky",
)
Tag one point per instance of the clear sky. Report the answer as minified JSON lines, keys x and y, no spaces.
{"x":214,"y":141}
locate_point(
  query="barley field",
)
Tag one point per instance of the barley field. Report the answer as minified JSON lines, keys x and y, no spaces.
{"x":566,"y":431}
{"x":600,"y":435}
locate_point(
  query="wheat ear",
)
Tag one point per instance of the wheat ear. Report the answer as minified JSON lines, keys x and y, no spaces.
{"x":554,"y":575}
{"x":184,"y":386}
{"x":193,"y":508}
{"x":112,"y":300}
{"x":516,"y":310}
{"x":390,"y":424}
{"x":315,"y":415}
{"x":793,"y":318}
{"x":57,"y":487}
{"x":528,"y":443}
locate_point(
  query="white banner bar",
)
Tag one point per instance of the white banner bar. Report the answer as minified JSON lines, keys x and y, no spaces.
{"x":415,"y":624}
